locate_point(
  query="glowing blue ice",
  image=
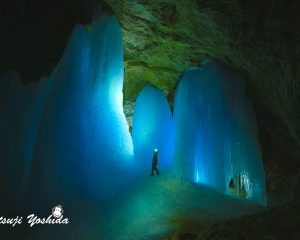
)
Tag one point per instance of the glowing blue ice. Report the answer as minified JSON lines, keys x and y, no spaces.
{"x":152,"y":129}
{"x":71,"y":132}
{"x":215,"y":132}
{"x":84,"y":146}
{"x":242,"y":148}
{"x":198,"y":115}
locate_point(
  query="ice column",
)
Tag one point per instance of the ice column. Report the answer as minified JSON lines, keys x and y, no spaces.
{"x":241,"y":141}
{"x":84,"y":148}
{"x":216,"y":136}
{"x":152,"y":129}
{"x":199,"y":121}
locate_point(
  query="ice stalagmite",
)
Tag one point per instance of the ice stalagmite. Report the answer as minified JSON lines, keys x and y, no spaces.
{"x":21,"y":109}
{"x":216,"y":136}
{"x":199,"y":121}
{"x":152,"y":129}
{"x":61,"y":146}
{"x":110,"y":166}
{"x":241,"y":143}
{"x":84,"y":148}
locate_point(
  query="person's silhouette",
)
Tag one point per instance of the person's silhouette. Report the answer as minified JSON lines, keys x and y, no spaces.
{"x":154,"y":163}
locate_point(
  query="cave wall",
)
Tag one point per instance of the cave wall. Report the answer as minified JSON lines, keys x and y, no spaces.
{"x":165,"y":37}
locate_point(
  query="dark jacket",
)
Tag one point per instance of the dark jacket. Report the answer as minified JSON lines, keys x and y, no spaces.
{"x":154,"y":160}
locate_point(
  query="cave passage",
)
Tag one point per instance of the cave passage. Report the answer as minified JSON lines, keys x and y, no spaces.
{"x":211,"y":138}
{"x":66,"y":139}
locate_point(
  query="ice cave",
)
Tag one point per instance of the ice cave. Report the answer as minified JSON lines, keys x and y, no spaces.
{"x":73,"y":137}
{"x":65,"y":140}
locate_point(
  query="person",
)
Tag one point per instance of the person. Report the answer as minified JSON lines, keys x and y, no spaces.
{"x":154,"y":163}
{"x":231,"y":184}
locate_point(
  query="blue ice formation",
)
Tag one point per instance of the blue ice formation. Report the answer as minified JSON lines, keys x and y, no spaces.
{"x":241,"y":142}
{"x":83,"y":147}
{"x":21,"y":107}
{"x":152,"y":129}
{"x":216,"y":136}
{"x":66,"y":137}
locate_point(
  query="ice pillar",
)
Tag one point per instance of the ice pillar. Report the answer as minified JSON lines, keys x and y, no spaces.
{"x":152,"y":129}
{"x":84,"y":148}
{"x":198,"y":116}
{"x":216,"y":136}
{"x":241,"y":140}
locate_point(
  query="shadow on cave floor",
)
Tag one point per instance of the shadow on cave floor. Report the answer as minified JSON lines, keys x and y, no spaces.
{"x":155,"y":207}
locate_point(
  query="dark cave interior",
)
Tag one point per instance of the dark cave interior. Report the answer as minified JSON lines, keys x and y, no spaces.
{"x":161,"y":40}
